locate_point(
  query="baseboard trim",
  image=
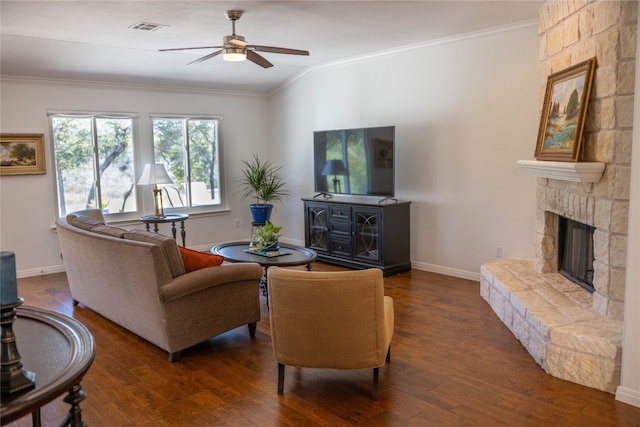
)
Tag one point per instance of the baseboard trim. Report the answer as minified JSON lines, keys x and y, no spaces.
{"x":462,"y":274}
{"x":41,"y":271}
{"x":447,"y":271}
{"x":628,"y":395}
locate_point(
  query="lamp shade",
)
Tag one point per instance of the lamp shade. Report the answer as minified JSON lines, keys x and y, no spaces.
{"x":154,"y":174}
{"x":334,"y":167}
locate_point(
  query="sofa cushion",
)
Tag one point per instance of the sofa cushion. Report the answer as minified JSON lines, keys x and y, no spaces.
{"x":85,"y":223}
{"x":109,"y":230}
{"x":195,"y":260}
{"x":167,"y":244}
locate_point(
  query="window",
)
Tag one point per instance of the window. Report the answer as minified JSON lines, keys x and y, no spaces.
{"x":94,"y":162}
{"x":190,"y":150}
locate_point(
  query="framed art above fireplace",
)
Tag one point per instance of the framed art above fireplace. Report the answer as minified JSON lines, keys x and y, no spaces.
{"x":563,"y":113}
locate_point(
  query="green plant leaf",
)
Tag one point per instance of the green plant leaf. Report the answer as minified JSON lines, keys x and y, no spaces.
{"x":261,"y":180}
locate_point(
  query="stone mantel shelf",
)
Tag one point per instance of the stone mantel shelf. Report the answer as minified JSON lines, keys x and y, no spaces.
{"x":567,"y":171}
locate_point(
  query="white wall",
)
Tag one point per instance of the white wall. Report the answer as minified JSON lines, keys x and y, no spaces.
{"x":465,"y":111}
{"x":629,"y":389}
{"x":27,"y":203}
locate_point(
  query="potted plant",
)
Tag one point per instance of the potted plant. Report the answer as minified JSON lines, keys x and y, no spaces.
{"x":261,"y":181}
{"x":266,"y":237}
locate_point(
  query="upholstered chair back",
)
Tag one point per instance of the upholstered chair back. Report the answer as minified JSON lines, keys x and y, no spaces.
{"x":337,"y":320}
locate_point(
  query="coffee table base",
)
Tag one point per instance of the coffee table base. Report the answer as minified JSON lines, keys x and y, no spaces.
{"x":235,"y":252}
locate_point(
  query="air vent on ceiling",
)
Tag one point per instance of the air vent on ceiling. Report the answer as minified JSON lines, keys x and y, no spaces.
{"x":147,"y":26}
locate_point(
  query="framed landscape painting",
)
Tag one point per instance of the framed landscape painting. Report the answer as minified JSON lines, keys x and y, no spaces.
{"x":22,"y":154}
{"x":563,"y":113}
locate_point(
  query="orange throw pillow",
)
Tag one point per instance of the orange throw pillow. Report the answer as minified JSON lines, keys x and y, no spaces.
{"x":195,"y":260}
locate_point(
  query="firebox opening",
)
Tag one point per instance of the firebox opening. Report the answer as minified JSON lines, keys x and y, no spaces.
{"x":575,"y":252}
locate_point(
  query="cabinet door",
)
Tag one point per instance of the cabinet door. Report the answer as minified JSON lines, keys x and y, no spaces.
{"x":317,"y":230}
{"x":368,"y":223}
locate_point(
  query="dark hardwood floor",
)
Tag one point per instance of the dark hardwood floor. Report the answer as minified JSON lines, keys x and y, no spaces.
{"x":453,"y":363}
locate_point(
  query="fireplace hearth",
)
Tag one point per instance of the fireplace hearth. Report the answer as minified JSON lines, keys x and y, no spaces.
{"x":555,"y":321}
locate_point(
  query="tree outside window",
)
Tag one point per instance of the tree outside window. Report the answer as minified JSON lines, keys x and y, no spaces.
{"x":189,"y":148}
{"x":94,"y":163}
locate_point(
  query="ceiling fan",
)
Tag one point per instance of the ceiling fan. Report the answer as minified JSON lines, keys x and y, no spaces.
{"x":235,"y":48}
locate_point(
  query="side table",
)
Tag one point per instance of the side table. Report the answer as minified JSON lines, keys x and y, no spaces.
{"x":172,"y":218}
{"x":59,"y":350}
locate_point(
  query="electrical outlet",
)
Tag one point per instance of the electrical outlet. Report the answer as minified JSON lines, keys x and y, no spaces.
{"x":237,"y":221}
{"x":498,"y":251}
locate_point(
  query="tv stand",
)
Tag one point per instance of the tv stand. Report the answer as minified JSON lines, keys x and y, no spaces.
{"x":359,"y":234}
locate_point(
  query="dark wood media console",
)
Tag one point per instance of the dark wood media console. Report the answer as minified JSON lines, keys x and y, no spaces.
{"x":357,"y":233}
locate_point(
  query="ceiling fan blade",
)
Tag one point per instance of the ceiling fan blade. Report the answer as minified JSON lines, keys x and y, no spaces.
{"x":238,"y":42}
{"x":204,"y":58}
{"x":235,"y":46}
{"x":272,"y":49}
{"x":261,"y":61}
{"x":190,"y":48}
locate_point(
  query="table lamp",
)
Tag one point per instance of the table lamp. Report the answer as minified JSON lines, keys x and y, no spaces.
{"x":155,"y":174}
{"x":335,"y":167}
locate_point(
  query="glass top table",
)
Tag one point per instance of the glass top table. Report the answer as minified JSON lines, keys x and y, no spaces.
{"x":172,"y":218}
{"x":295,"y":255}
{"x":235,"y":252}
{"x":59,"y":350}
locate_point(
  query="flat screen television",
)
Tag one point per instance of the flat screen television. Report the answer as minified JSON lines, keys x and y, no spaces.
{"x":355,"y":161}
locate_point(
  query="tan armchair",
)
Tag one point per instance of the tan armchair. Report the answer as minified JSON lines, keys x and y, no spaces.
{"x":332,"y":320}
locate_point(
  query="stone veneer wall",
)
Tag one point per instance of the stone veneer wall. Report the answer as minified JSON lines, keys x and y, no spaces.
{"x":571,"y":32}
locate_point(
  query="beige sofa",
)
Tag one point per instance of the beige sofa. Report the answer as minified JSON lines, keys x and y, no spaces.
{"x":137,"y":279}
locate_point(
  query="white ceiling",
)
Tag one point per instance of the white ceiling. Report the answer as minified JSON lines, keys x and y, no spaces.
{"x":91,"y":40}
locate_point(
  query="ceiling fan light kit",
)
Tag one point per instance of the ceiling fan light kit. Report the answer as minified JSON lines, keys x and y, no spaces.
{"x":236,"y":49}
{"x":234,"y":54}
{"x":237,"y":52}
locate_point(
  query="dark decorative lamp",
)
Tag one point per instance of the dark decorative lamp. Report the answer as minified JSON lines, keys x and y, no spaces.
{"x":155,"y":174}
{"x":335,"y":167}
{"x":14,"y":377}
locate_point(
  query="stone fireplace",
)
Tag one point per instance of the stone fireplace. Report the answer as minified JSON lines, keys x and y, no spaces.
{"x":572,"y":333}
{"x":609,"y":247}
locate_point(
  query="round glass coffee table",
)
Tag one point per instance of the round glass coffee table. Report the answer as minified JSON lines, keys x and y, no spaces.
{"x":59,"y":350}
{"x":289,"y":256}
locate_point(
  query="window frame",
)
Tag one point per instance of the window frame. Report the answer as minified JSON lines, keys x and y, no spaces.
{"x":141,"y":156}
{"x":93,"y":115}
{"x":204,"y":209}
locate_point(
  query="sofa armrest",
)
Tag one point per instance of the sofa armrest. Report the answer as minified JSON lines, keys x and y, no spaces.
{"x":207,"y":277}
